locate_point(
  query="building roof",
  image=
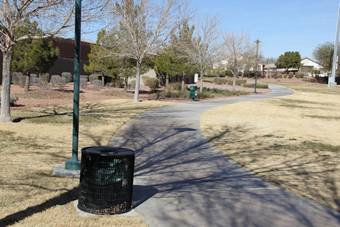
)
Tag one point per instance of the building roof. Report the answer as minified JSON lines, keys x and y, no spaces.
{"x":304,"y":58}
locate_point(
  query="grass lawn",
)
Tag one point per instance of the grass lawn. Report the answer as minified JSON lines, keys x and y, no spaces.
{"x":292,"y":140}
{"x":40,"y":139}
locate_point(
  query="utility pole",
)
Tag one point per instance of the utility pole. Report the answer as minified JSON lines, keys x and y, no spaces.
{"x":331,"y":80}
{"x":257,"y":54}
{"x":74,"y":163}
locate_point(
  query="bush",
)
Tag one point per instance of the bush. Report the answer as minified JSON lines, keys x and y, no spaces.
{"x":54,"y":80}
{"x":93,"y":77}
{"x":61,"y":83}
{"x":15,"y":77}
{"x":175,"y":87}
{"x":22,"y":80}
{"x":12,"y":99}
{"x":84,"y":77}
{"x":299,"y":75}
{"x":67,"y":77}
{"x":209,"y":79}
{"x":133,"y":83}
{"x":83,"y":82}
{"x":145,"y":79}
{"x":152,"y":83}
{"x":174,"y":94}
{"x":45,"y":77}
{"x":219,"y":80}
{"x":238,"y":82}
{"x":257,"y":85}
{"x":249,"y":74}
{"x":97,"y":83}
{"x":42,"y":84}
{"x":207,"y":93}
{"x":228,"y":73}
{"x":119,"y":83}
{"x":33,"y":79}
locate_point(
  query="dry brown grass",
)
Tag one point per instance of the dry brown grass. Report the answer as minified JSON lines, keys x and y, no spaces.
{"x":291,"y":140}
{"x":40,"y":139}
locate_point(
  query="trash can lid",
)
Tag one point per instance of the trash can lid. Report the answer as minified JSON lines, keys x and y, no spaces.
{"x":108,"y":151}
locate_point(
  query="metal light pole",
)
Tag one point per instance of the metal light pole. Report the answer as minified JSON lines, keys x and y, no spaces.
{"x":74,"y":163}
{"x":257,"y":53}
{"x":331,"y":80}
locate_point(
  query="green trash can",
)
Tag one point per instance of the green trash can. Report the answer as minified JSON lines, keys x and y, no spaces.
{"x":193,"y":92}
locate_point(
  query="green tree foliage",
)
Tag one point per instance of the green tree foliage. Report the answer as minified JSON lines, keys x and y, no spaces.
{"x":165,"y":64}
{"x":100,"y":63}
{"x":32,"y":55}
{"x":323,"y":53}
{"x":288,"y":60}
{"x":183,"y":38}
{"x":143,"y":27}
{"x":103,"y":62}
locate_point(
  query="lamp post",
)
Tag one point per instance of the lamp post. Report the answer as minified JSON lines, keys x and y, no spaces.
{"x":74,"y":163}
{"x":257,"y":53}
{"x":331,"y":80}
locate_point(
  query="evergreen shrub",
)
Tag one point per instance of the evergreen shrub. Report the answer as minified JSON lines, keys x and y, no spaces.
{"x":67,"y":76}
{"x":33,"y":79}
{"x":12,"y":99}
{"x":152,"y":83}
{"x":83,"y":82}
{"x":265,"y":86}
{"x":133,"y":83}
{"x":97,"y":83}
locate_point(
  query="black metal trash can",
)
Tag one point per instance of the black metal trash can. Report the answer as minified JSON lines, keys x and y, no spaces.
{"x":106,"y":180}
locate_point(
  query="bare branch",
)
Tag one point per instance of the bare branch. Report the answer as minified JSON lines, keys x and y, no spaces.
{"x":143,"y":26}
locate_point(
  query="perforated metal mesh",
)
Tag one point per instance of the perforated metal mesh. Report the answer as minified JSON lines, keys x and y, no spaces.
{"x":106,"y":180}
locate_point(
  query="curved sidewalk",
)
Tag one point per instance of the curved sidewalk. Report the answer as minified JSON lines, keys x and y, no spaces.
{"x":183,"y":180}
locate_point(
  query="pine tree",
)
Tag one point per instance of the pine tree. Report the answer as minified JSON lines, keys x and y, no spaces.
{"x":33,"y":55}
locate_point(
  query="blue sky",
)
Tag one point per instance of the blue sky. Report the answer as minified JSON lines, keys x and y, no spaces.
{"x":287,"y":25}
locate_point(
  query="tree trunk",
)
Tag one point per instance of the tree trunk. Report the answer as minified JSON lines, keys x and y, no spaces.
{"x":201,"y":87}
{"x":27,"y":82}
{"x":234,"y":74}
{"x":167,"y":80}
{"x":103,"y":80}
{"x":125,"y":84}
{"x":183,"y":81}
{"x":234,"y":81}
{"x":6,"y":86}
{"x":136,"y":97}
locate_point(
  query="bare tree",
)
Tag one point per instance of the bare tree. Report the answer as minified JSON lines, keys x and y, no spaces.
{"x":53,"y":16}
{"x":143,"y":26}
{"x":203,"y":48}
{"x":237,"y":46}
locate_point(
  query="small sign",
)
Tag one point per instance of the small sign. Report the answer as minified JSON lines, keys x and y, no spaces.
{"x":196,"y":78}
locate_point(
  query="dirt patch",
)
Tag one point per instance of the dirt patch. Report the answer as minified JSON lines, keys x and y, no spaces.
{"x":37,"y":97}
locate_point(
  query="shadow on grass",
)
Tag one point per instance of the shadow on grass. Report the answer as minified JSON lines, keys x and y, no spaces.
{"x":59,"y":200}
{"x":187,"y":172}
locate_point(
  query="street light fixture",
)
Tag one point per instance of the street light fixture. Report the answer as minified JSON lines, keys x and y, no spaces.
{"x":74,"y":163}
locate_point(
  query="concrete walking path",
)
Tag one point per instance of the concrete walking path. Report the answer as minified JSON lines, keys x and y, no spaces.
{"x":183,"y":180}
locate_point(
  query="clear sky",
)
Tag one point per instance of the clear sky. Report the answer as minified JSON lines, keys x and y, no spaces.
{"x":286,"y":25}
